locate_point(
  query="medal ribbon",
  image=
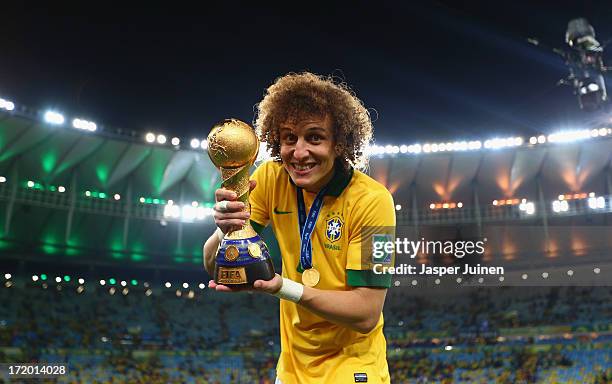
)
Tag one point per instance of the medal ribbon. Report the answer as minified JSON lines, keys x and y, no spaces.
{"x":307,"y":225}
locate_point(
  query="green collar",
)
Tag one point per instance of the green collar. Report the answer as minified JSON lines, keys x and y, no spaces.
{"x":339,"y":181}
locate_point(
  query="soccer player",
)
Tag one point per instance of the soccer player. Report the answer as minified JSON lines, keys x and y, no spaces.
{"x":318,"y":204}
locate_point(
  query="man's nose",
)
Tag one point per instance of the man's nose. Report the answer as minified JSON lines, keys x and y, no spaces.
{"x":301,"y":150}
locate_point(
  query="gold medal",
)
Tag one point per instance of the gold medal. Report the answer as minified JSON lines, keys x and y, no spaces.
{"x":310,"y":277}
{"x":254,"y":250}
{"x":231,"y":253}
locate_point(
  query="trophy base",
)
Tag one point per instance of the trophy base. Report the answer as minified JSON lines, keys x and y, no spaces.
{"x":244,"y":276}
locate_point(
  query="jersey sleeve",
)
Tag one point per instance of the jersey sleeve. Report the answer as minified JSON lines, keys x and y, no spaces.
{"x":372,"y":224}
{"x":260,"y":212}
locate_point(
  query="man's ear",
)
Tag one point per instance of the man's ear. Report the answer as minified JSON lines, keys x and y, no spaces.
{"x":338,"y":149}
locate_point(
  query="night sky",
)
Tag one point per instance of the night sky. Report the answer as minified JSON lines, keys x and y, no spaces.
{"x":436,"y":70}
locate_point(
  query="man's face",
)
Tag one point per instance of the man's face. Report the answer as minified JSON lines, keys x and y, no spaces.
{"x":307,"y":151}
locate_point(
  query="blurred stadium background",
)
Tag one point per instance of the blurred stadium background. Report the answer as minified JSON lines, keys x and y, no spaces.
{"x":101,"y":258}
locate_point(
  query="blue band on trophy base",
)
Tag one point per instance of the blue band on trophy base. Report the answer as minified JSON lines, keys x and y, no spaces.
{"x":244,"y":256}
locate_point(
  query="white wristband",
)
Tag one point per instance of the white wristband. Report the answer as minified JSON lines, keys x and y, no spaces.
{"x":220,"y":234}
{"x":290,"y":290}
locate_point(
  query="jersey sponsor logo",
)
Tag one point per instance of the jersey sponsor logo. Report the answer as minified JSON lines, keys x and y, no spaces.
{"x":380,"y":254}
{"x":333,"y":230}
{"x":277,"y":212}
{"x":361,"y":377}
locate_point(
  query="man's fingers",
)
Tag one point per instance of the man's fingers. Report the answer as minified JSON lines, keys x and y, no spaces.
{"x":252,"y":184}
{"x":225,"y":194}
{"x":229,"y":206}
{"x":224,"y":288}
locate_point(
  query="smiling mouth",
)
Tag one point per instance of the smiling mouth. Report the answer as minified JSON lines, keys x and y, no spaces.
{"x":303,"y":167}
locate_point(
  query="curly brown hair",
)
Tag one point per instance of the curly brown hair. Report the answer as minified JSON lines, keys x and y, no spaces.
{"x":298,"y":95}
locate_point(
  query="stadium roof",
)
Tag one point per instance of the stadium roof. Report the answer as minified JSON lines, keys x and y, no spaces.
{"x":84,"y":217}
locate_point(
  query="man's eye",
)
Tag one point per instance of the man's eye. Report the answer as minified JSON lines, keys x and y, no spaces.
{"x":315,"y":138}
{"x":289,"y":138}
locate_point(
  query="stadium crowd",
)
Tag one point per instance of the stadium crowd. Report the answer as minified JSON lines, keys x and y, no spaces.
{"x":489,"y":335}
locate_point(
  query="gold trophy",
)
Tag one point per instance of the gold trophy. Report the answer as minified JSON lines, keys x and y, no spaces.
{"x":242,"y":256}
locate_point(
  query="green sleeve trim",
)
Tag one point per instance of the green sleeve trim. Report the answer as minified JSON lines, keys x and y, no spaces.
{"x":257,"y":227}
{"x":367,"y":278}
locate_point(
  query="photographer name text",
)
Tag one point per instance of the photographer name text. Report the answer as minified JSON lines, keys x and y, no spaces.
{"x":423,"y":269}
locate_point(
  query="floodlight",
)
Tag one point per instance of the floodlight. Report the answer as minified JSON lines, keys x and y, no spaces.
{"x":7,"y":105}
{"x":55,"y":118}
{"x":175,"y":141}
{"x":150,"y":137}
{"x":593,"y":87}
{"x":195,"y":143}
{"x":84,"y":124}
{"x":161,"y":139}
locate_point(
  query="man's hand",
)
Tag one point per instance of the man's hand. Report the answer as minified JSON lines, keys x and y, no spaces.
{"x":229,"y":214}
{"x":269,"y":286}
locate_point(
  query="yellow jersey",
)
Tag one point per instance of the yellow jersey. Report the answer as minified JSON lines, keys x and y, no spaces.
{"x":314,"y":350}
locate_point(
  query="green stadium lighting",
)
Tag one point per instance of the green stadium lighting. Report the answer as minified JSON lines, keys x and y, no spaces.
{"x":30,"y":184}
{"x":102,"y":195}
{"x":142,"y":199}
{"x":67,"y":278}
{"x":43,"y":276}
{"x":112,"y":281}
{"x":52,"y":188}
{"x":134,"y":282}
{"x":88,"y":193}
